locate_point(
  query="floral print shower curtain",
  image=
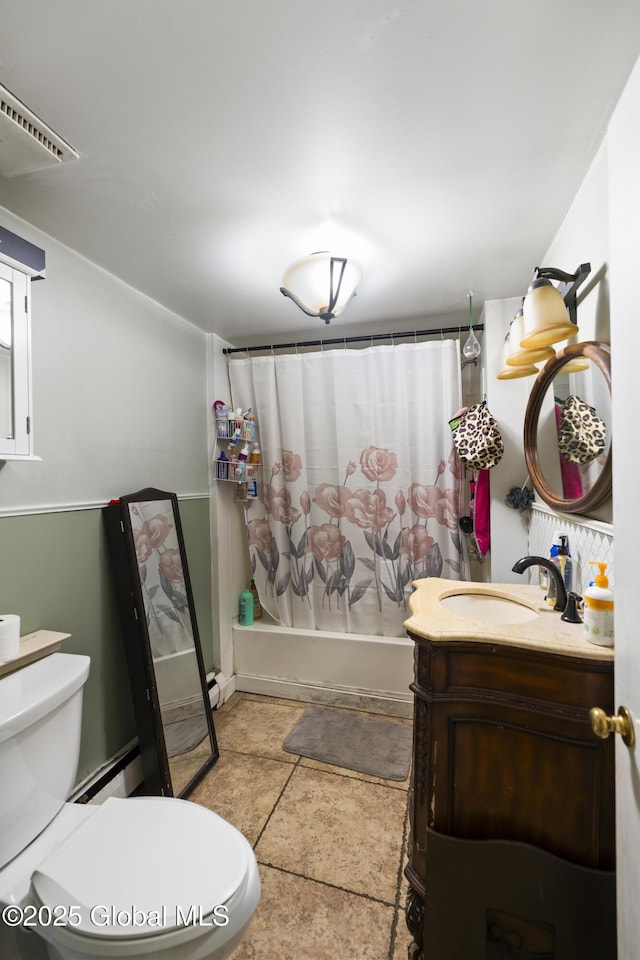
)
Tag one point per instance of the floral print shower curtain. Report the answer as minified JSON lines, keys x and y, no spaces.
{"x":360,"y":491}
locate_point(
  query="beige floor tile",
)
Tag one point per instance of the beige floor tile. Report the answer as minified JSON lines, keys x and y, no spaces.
{"x":339,"y":830}
{"x":183,"y":768}
{"x":228,"y":704}
{"x":242,"y":790}
{"x":297,"y":918}
{"x":258,"y":728}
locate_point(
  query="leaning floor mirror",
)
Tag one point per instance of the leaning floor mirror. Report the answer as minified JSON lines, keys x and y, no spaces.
{"x":166,"y":671}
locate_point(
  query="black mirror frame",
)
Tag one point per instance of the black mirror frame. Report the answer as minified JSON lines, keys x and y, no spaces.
{"x":144,"y":690}
{"x":600,"y":355}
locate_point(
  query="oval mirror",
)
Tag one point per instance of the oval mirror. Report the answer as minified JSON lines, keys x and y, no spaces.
{"x":567,"y":428}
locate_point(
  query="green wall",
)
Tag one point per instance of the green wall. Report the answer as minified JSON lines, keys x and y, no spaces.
{"x":54,"y":573}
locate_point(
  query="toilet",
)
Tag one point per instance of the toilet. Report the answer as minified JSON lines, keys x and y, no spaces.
{"x":154,"y":877}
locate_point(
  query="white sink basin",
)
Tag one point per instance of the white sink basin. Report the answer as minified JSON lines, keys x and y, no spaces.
{"x":488,"y":608}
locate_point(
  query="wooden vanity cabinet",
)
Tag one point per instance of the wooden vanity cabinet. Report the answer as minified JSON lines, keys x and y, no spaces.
{"x":509,"y":781}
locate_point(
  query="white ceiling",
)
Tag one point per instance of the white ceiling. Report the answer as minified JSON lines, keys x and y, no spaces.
{"x":438,"y":142}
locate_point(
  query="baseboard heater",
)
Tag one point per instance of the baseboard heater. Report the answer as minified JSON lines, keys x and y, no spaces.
{"x":118,"y":778}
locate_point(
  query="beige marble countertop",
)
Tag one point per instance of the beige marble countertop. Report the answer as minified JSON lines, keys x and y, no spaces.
{"x":547,"y":632}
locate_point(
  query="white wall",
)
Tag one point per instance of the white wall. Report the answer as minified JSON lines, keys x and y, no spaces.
{"x":229,"y":551}
{"x":507,"y":401}
{"x":583,"y":237}
{"x":119,"y":390}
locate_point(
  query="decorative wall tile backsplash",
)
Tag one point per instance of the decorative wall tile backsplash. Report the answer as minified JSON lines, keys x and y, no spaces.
{"x":588,"y":540}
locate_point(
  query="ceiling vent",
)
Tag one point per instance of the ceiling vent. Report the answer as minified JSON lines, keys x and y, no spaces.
{"x":26,"y":143}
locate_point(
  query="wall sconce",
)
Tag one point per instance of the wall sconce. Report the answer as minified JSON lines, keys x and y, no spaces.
{"x":321,"y":284}
{"x":519,"y":355}
{"x":513,"y":371}
{"x":550,"y":312}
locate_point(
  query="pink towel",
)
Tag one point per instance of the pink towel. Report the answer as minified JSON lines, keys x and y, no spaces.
{"x":569,"y":472}
{"x":482,"y":521}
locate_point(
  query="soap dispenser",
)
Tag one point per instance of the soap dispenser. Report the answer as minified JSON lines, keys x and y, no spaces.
{"x":598,"y":610}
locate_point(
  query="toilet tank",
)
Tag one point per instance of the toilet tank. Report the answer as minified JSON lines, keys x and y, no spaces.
{"x":40,"y":721}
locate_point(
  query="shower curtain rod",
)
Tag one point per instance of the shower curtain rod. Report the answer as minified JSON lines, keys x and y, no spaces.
{"x":374,"y":336}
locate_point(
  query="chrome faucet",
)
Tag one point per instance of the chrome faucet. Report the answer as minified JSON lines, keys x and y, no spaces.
{"x":561,"y":591}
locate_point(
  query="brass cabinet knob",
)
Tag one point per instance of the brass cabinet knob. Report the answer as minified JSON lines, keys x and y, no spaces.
{"x":602,"y":725}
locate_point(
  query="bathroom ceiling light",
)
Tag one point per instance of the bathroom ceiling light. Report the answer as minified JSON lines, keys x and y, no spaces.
{"x":321,"y":284}
{"x":550,"y":312}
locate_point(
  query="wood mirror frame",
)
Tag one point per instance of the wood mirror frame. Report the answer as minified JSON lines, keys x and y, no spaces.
{"x":600,"y":355}
{"x":167,"y":677}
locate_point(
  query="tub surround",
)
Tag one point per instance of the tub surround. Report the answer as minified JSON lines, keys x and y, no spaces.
{"x":512,"y":805}
{"x":547,"y":632}
{"x":362,"y":672}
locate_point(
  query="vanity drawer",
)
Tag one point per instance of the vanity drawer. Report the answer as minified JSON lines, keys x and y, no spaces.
{"x":511,"y":674}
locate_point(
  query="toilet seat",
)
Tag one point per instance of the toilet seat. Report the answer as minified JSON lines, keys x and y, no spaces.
{"x":130,"y":873}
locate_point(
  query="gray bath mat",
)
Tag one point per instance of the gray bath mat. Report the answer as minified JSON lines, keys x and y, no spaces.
{"x":380,"y":748}
{"x":181,"y":736}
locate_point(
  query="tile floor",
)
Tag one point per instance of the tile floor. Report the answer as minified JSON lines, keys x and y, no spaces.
{"x":330,"y":842}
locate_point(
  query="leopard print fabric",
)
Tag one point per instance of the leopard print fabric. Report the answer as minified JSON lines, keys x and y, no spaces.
{"x":477,"y":439}
{"x":583,"y":434}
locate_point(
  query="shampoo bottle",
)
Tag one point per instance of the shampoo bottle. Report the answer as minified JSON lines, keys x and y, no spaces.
{"x":257,"y":606}
{"x":598,"y":610}
{"x":245,"y":617}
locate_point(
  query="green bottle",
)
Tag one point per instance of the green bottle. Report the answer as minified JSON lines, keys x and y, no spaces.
{"x":245,"y":618}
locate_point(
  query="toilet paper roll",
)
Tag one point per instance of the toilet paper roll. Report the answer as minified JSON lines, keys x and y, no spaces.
{"x":9,"y":636}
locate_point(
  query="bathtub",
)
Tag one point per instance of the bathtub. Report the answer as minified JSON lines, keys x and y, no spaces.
{"x":351,"y":670}
{"x":177,"y":678}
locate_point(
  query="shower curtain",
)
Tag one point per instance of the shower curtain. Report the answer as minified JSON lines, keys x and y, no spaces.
{"x":360,"y":490}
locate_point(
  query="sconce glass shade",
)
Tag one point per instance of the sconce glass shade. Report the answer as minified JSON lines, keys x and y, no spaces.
{"x":518,"y":355}
{"x":575,"y":366}
{"x":509,"y":371}
{"x":321,"y":284}
{"x":546,"y":318}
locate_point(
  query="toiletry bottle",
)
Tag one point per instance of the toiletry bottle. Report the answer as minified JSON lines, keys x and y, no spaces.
{"x":598,"y":610}
{"x":546,"y":581}
{"x":565,"y":562}
{"x":233,"y":446}
{"x":245,"y":617}
{"x":257,"y":606}
{"x":560,"y":557}
{"x":254,"y":456}
{"x":543,"y":573}
{"x":244,"y":452}
{"x":222,"y":466}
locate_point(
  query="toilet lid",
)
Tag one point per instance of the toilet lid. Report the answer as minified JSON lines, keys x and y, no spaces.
{"x":143,"y":865}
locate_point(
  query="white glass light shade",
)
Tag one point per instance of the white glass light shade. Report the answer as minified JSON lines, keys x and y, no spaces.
{"x":518,"y":355}
{"x":546,"y":318}
{"x":510,"y":372}
{"x":309,"y":283}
